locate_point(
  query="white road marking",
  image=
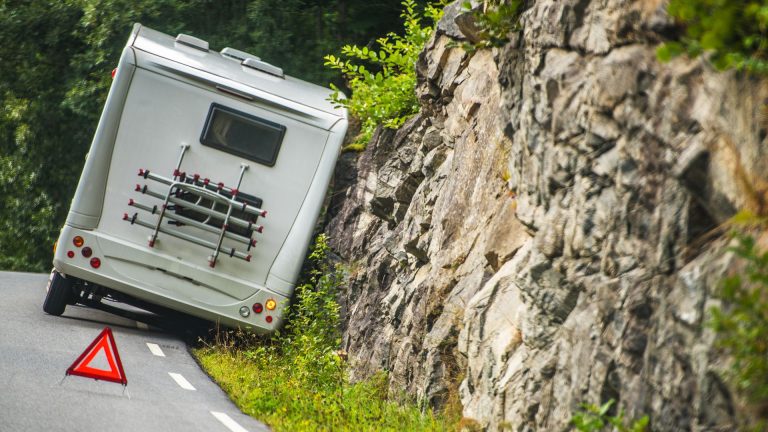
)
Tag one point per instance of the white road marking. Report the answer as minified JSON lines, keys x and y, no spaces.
{"x":155,"y":349}
{"x":141,"y":325}
{"x":181,"y":381}
{"x":228,"y":422}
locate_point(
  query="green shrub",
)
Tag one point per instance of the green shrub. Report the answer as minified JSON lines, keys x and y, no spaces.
{"x":733,"y":32}
{"x":593,"y":418}
{"x":297,"y":379}
{"x":384,"y":91}
{"x":742,"y":323}
{"x":495,"y":19}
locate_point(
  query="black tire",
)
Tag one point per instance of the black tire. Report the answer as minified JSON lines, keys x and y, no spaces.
{"x":59,"y":294}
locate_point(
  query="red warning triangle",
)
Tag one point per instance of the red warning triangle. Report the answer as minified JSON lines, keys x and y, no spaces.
{"x":104,"y":342}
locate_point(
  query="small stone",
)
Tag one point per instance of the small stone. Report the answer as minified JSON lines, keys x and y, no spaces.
{"x":431,"y":139}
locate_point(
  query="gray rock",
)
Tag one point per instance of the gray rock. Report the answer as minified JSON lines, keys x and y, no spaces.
{"x":541,"y":236}
{"x":432,"y":138}
{"x":467,"y":25}
{"x":447,"y":24}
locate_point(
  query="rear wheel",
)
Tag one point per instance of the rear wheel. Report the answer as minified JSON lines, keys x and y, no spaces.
{"x":59,"y":294}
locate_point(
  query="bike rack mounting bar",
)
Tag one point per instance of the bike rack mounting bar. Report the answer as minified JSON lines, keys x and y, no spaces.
{"x":191,"y":222}
{"x":231,"y":251}
{"x":200,"y":209}
{"x":203,"y":190}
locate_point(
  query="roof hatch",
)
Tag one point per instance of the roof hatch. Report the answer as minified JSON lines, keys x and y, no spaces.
{"x":237,"y":54}
{"x":192,"y":41}
{"x":264,"y":67}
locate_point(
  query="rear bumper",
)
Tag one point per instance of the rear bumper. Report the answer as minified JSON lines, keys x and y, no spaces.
{"x":167,"y":281}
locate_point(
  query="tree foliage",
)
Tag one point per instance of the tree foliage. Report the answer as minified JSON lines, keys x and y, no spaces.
{"x":734,"y":33}
{"x":55,"y":59}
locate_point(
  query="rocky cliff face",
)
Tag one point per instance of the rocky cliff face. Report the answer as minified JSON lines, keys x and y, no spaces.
{"x":545,"y":232}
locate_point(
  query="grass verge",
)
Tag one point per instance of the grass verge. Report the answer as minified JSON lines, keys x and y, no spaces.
{"x":297,"y":379}
{"x":267,"y":390}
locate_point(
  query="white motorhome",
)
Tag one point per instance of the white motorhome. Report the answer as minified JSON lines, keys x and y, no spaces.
{"x":201,"y":190}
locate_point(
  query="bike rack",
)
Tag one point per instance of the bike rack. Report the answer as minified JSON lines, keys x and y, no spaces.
{"x":180,"y":188}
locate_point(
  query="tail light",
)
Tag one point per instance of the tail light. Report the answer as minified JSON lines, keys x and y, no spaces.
{"x":78,"y":241}
{"x":258,"y":308}
{"x":87,"y":252}
{"x":271,"y":304}
{"x":95,"y":262}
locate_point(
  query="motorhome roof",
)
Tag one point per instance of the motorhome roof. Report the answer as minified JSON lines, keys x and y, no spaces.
{"x":194,"y":53}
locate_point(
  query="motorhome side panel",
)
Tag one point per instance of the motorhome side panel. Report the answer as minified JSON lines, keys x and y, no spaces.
{"x":88,"y":201}
{"x":284,"y":272}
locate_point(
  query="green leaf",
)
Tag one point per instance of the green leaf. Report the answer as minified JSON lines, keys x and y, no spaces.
{"x":667,"y":51}
{"x":382,"y":80}
{"x":605,"y":407}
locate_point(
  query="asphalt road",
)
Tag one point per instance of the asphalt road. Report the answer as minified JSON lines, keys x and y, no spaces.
{"x":36,"y":349}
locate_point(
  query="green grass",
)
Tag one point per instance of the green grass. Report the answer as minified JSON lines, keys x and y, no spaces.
{"x":267,"y":388}
{"x":297,"y":380}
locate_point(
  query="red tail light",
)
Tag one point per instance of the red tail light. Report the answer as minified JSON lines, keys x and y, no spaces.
{"x":95,"y":262}
{"x":70,"y":254}
{"x":112,"y":74}
{"x":258,"y":308}
{"x":87,"y":252}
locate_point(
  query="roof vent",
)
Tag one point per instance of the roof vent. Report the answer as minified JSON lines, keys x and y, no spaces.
{"x":192,"y":41}
{"x":237,"y":54}
{"x":264,"y":67}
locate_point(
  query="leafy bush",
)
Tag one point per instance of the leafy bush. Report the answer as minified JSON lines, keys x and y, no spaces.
{"x":733,"y":32}
{"x":384,"y":92}
{"x":297,"y":379}
{"x":495,"y":19}
{"x":742,"y":323}
{"x":593,"y":418}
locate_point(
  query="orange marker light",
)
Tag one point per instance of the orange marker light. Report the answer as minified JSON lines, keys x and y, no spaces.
{"x":78,"y":241}
{"x":270,"y":304}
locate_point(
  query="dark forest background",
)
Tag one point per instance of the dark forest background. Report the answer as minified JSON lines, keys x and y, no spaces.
{"x":55,"y":63}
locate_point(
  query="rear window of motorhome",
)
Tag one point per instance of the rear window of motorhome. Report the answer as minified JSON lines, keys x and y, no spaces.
{"x":242,"y":134}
